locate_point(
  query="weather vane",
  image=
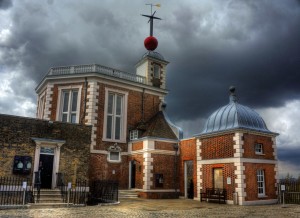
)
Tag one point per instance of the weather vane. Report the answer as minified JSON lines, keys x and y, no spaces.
{"x":152,"y":17}
{"x":151,"y":42}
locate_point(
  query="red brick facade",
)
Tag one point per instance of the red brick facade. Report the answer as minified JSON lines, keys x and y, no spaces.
{"x":228,"y":172}
{"x":217,"y":147}
{"x":251,"y":181}
{"x":249,"y":146}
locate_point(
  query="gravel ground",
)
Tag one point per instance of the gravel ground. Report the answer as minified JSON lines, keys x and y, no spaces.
{"x":159,"y":208}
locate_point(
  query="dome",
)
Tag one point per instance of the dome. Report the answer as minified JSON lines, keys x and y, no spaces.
{"x":154,"y":54}
{"x":234,"y":116}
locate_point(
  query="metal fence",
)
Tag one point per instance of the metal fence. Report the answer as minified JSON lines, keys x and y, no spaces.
{"x":289,"y":192}
{"x":75,"y":194}
{"x":103,"y":191}
{"x":15,"y":191}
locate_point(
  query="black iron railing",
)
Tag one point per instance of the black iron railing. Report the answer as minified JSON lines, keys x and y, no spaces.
{"x":15,"y":191}
{"x":76,"y":193}
{"x":103,"y":191}
{"x":79,"y":193}
{"x":37,"y":186}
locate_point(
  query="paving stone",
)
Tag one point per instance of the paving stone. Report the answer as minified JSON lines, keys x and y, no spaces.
{"x":159,"y":208}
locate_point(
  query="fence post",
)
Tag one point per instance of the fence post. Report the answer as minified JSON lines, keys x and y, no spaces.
{"x":24,"y":186}
{"x":69,"y":188}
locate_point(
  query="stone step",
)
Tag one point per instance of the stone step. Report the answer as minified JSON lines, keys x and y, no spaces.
{"x":128,"y":194}
{"x":49,"y":196}
{"x":50,"y":200}
{"x":47,"y":205}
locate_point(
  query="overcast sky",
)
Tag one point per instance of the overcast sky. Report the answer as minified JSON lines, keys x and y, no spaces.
{"x":211,"y":45}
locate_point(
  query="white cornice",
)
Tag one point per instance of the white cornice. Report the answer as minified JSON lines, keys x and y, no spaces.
{"x":104,"y":79}
{"x":236,"y":159}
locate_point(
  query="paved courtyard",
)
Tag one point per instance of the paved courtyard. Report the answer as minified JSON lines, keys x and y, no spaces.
{"x":159,"y":208}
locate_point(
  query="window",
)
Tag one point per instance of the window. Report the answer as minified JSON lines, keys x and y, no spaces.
{"x":134,"y":134}
{"x":156,"y":71}
{"x":258,"y":148}
{"x":69,"y":111}
{"x":115,"y":116}
{"x":261,"y":182}
{"x":114,"y":153}
{"x":114,"y":156}
{"x":41,"y":106}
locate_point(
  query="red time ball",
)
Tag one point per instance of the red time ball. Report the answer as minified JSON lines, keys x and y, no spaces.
{"x":151,"y":43}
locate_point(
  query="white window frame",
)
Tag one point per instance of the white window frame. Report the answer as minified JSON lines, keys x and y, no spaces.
{"x":41,"y":105}
{"x":134,"y":134}
{"x":114,"y":161}
{"x":261,"y":186}
{"x":59,"y":108}
{"x":258,"y":148}
{"x":123,"y":116}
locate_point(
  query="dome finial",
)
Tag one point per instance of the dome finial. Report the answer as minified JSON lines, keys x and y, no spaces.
{"x":232,"y":97}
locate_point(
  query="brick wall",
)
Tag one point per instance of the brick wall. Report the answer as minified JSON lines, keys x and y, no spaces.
{"x":134,"y":112}
{"x":100,"y":169}
{"x":164,"y":164}
{"x":217,"y":147}
{"x":249,"y":146}
{"x":15,"y":139}
{"x":187,"y":152}
{"x":251,"y":181}
{"x":137,"y":146}
{"x":164,"y":146}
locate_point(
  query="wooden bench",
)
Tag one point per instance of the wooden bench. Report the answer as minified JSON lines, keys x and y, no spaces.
{"x":214,"y":194}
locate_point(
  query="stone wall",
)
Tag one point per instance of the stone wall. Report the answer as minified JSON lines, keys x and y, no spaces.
{"x":16,"y":135}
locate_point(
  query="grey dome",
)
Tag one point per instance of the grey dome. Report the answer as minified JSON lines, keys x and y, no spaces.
{"x":154,"y":54}
{"x":234,"y":116}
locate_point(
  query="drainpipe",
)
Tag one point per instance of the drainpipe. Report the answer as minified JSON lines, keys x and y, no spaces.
{"x":143,"y":105}
{"x":175,"y":146}
{"x":85,"y":96}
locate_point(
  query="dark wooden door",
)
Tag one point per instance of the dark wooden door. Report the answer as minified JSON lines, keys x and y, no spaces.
{"x":46,"y":167}
{"x":133,"y":172}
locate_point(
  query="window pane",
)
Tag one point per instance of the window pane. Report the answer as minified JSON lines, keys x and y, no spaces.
{"x":119,"y":105}
{"x":110,"y":103}
{"x":109,"y":127}
{"x":114,"y":155}
{"x":118,"y":128}
{"x":73,"y":118}
{"x":66,"y":101}
{"x":64,"y":118}
{"x":74,"y":101}
{"x":156,"y":71}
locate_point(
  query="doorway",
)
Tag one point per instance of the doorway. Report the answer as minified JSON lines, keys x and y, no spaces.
{"x":46,"y":168}
{"x":133,"y":172}
{"x":218,"y":178}
{"x":188,"y":179}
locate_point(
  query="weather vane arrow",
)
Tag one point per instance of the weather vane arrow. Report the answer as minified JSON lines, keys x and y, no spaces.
{"x":152,"y":17}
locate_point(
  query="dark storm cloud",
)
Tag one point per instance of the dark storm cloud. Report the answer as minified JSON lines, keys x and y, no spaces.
{"x":290,"y":155}
{"x":5,"y":4}
{"x":211,"y":45}
{"x":257,"y":49}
